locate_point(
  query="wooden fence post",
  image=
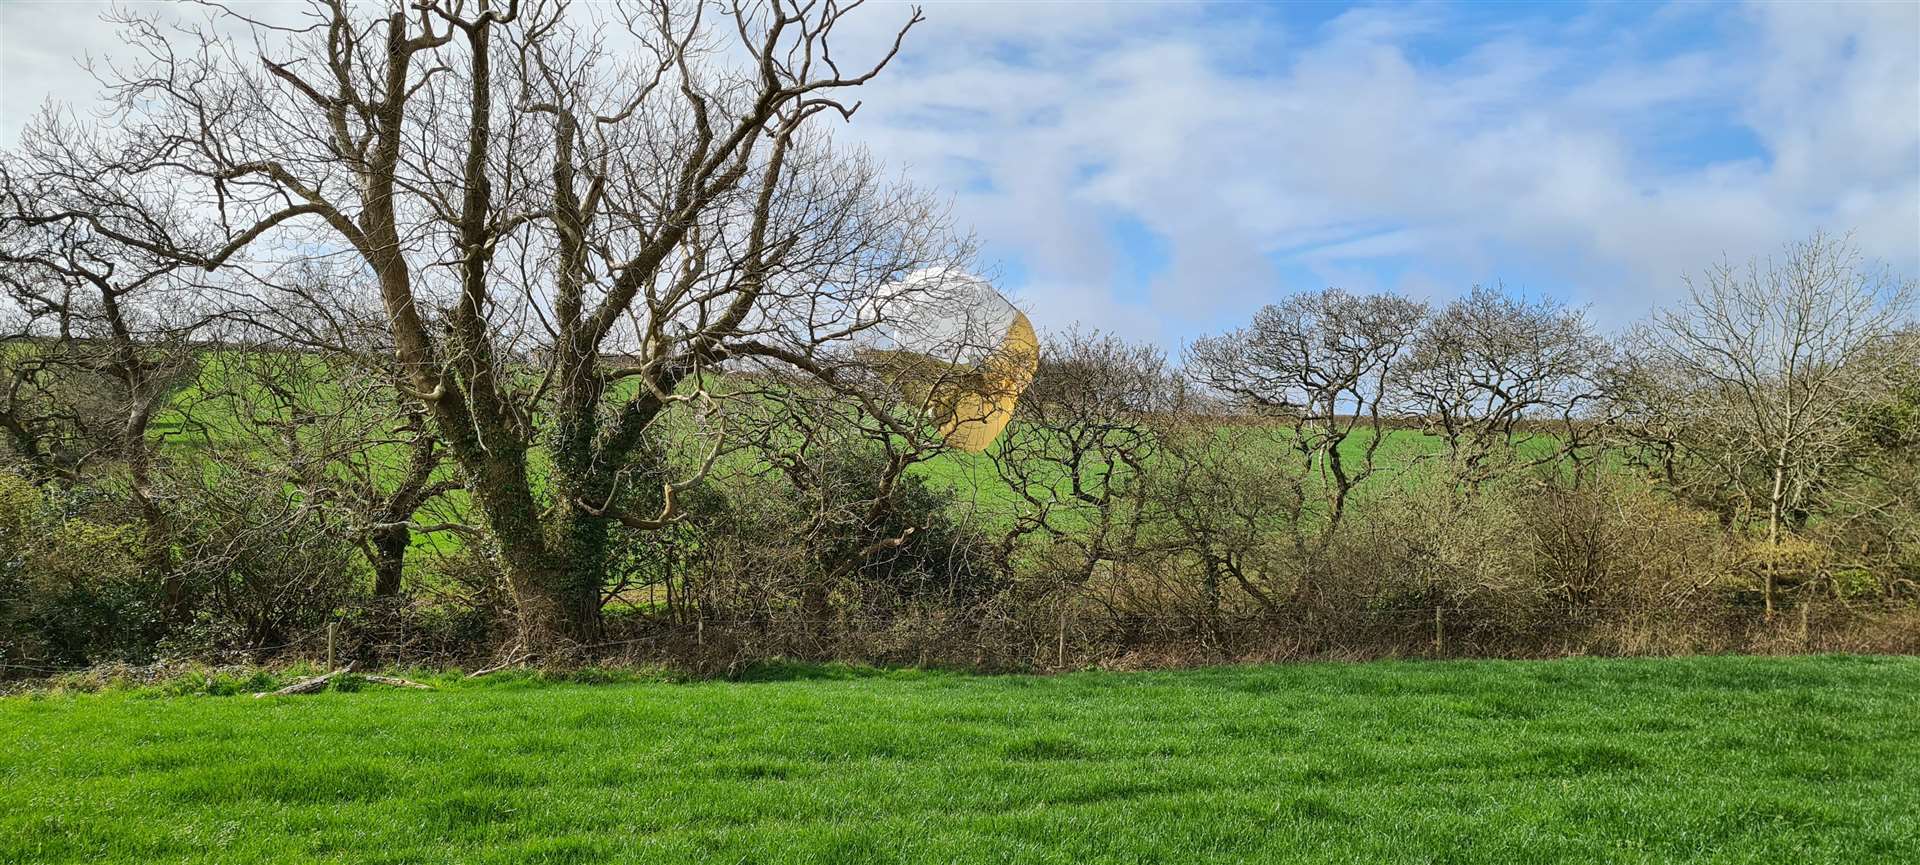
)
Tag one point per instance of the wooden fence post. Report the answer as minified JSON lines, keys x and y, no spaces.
{"x":333,"y":631}
{"x":1062,"y":662}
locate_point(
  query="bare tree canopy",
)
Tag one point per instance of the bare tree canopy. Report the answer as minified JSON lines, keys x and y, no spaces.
{"x":568,"y":219}
{"x":1754,"y":385}
{"x":1329,"y":362}
{"x":1492,"y":372}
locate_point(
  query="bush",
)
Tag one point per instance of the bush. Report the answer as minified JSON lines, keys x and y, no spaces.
{"x":1429,"y":547}
{"x":264,"y":568}
{"x":1613,"y":544}
{"x":1534,"y":564}
{"x":72,"y":592}
{"x":839,"y":545}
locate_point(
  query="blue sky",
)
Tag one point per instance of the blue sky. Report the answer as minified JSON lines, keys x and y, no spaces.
{"x":1162,"y":170}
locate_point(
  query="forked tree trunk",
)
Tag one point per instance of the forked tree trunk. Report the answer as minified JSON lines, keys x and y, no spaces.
{"x":580,"y":542}
{"x":554,"y":568}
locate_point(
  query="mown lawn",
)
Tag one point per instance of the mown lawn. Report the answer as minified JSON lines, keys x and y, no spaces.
{"x":1701,"y":760}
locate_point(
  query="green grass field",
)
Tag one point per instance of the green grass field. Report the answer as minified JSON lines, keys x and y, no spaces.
{"x":1696,"y":760}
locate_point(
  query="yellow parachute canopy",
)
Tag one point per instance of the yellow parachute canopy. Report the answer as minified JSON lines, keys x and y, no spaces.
{"x":957,"y":347}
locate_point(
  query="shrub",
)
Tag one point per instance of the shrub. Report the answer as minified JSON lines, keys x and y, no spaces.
{"x":265,"y":567}
{"x":1428,"y":547}
{"x":843,"y":543}
{"x":1535,"y":564}
{"x":72,"y":592}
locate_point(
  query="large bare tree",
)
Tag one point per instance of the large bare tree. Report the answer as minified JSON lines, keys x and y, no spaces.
{"x":571,"y":217}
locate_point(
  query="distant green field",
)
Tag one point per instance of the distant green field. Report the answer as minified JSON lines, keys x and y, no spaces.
{"x":974,"y":474}
{"x":207,"y":414}
{"x":1727,"y":759}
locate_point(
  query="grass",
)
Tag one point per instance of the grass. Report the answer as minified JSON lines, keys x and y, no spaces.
{"x":1701,"y":760}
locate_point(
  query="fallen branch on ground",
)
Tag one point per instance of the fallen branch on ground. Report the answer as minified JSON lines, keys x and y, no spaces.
{"x":306,"y":686}
{"x":398,"y":682}
{"x":514,"y":656}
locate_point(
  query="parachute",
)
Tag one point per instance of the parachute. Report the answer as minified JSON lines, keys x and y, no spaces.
{"x":948,"y":341}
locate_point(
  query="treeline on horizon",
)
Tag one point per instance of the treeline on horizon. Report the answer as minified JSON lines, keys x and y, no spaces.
{"x":493,"y":334}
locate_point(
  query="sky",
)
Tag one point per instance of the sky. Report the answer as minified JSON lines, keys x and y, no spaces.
{"x":1162,"y":170}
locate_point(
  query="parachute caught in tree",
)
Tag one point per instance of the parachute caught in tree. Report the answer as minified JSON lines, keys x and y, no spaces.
{"x":955,"y":346}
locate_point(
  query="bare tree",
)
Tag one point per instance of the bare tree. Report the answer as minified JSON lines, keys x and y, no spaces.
{"x":332,"y":428}
{"x":1325,"y":364}
{"x":1078,"y":459}
{"x":1078,"y":449}
{"x":566,"y":239}
{"x":1507,"y":384}
{"x":104,"y":322}
{"x":1754,"y":381}
{"x":846,"y":441}
{"x":307,"y":393}
{"x":1234,"y":493}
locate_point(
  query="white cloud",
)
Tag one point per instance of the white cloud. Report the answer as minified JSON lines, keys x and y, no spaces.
{"x":1531,"y":143}
{"x":1566,"y":154}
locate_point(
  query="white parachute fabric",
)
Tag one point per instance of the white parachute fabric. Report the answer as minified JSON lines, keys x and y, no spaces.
{"x":951,"y":342}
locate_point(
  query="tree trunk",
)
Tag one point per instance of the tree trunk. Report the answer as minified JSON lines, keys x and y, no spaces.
{"x":1775,"y":502}
{"x":388,"y":555}
{"x":556,"y":588}
{"x":580,"y":543}
{"x":157,"y":534}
